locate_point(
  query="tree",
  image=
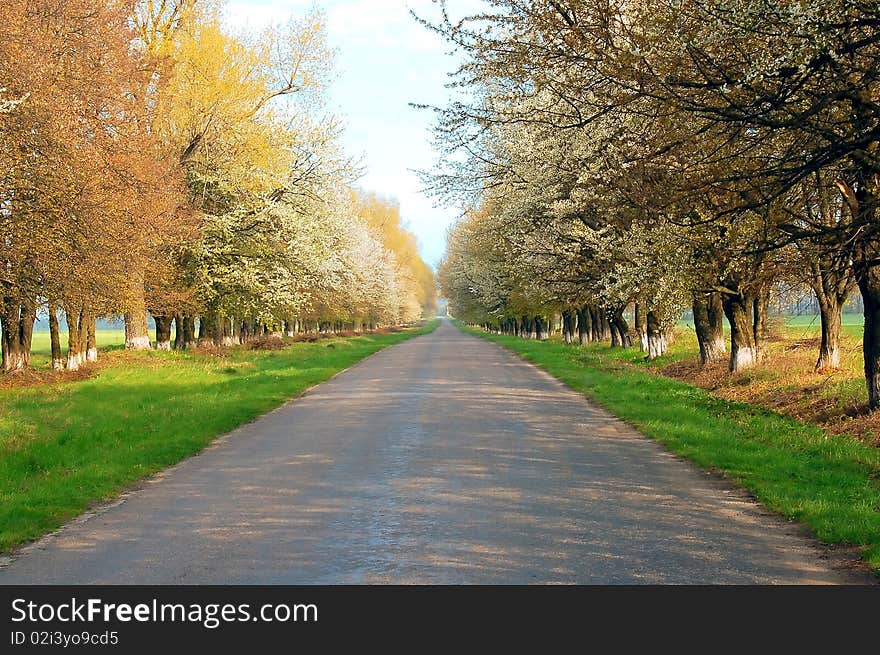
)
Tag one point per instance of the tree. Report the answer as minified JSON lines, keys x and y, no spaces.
{"x":709,"y":120}
{"x":80,"y":164}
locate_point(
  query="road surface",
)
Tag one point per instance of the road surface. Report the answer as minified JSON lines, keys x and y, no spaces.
{"x":444,"y":459}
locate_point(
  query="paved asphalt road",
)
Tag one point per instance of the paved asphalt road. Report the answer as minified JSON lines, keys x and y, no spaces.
{"x":441,"y":460}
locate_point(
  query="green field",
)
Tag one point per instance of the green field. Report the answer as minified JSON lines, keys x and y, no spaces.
{"x":41,"y":348}
{"x":66,"y":446}
{"x":832,"y":484}
{"x":807,"y":325}
{"x":812,"y":320}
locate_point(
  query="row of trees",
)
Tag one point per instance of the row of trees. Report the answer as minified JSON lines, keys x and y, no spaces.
{"x":155,"y":161}
{"x":665,"y":154}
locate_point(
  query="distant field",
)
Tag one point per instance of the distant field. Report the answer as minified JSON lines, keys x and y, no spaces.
{"x":809,"y":324}
{"x":813,"y":320}
{"x":41,"y":349}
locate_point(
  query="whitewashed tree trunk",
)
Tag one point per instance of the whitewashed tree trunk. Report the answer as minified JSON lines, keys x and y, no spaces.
{"x":17,"y":316}
{"x":657,"y":343}
{"x":829,"y":350}
{"x":743,"y":354}
{"x":163,"y":331}
{"x":14,"y":361}
{"x":137,"y":333}
{"x":74,"y":317}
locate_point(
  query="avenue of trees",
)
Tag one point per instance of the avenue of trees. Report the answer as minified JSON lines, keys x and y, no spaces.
{"x":664,"y":155}
{"x":153,"y":160}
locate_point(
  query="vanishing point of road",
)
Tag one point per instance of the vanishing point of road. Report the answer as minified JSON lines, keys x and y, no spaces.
{"x":444,"y":459}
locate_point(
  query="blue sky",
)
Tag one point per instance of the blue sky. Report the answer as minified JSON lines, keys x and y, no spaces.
{"x":384,"y":61}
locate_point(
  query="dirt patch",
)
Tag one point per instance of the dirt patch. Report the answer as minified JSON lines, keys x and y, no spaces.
{"x":211,"y":349}
{"x":789,"y":384}
{"x":266,"y":342}
{"x":35,"y":377}
{"x":811,"y":344}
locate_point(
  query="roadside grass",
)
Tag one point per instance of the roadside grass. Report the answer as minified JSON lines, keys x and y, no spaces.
{"x":830,"y":483}
{"x":67,"y":446}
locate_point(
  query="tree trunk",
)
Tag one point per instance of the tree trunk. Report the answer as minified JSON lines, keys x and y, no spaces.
{"x":227,"y":332}
{"x":738,"y":309}
{"x":709,"y":326}
{"x":760,"y":323}
{"x":163,"y":332}
{"x":74,"y":318}
{"x":863,"y":202}
{"x":541,"y":328}
{"x":137,"y":332}
{"x":619,"y":325}
{"x":831,"y":286}
{"x":17,"y":324}
{"x":91,"y":342}
{"x":55,"y":338}
{"x":596,"y":324}
{"x":656,"y":337}
{"x":26,"y":329}
{"x":715,"y":312}
{"x":178,"y":332}
{"x":583,"y":325}
{"x":869,"y":286}
{"x":568,"y":326}
{"x":641,"y":320}
{"x":831,"y":273}
{"x":189,"y":332}
{"x":209,"y":329}
{"x":829,"y":350}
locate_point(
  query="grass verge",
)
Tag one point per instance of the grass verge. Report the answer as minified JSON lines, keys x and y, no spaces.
{"x":829,"y":483}
{"x":66,"y":446}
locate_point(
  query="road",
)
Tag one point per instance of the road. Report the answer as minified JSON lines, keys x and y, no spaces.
{"x":444,"y":459}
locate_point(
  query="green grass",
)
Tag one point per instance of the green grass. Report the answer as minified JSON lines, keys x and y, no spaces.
{"x":41,"y":347}
{"x":831,"y":484}
{"x":64,"y":447}
{"x":805,"y":326}
{"x":812,"y":320}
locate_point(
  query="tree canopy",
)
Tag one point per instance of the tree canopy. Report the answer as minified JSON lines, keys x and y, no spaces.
{"x":665,"y":155}
{"x":155,"y":160}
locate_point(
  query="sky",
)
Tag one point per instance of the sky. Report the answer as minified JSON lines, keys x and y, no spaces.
{"x":384,"y":61}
